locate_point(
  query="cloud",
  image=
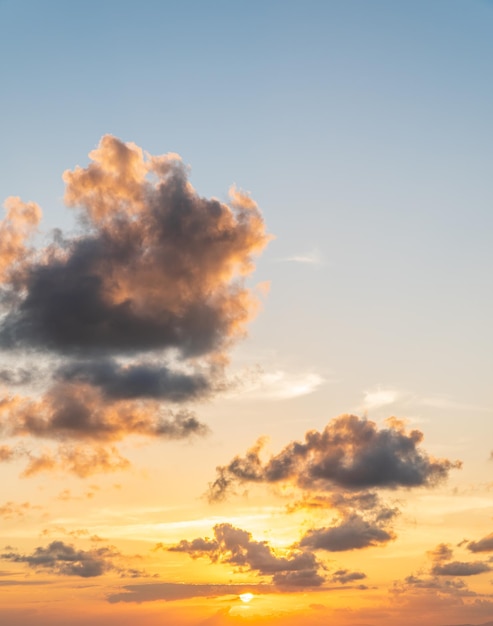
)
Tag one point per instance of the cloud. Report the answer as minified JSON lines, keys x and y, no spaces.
{"x":137,"y":380}
{"x":83,"y":461}
{"x":443,"y":566}
{"x":364,"y":502}
{"x":350,"y":453}
{"x":352,"y":533}
{"x":273,"y":385}
{"x":442,"y":552}
{"x":338,"y":470}
{"x":79,"y":411}
{"x":135,"y":312}
{"x":380,"y":397}
{"x":345,"y":576}
{"x":157,"y":266}
{"x":63,"y":559}
{"x":13,"y":510}
{"x":483,"y":545}
{"x":19,"y":224}
{"x":311,"y":258}
{"x":18,"y":376}
{"x":436,"y":585}
{"x":236,"y":547}
{"x":460,"y":568}
{"x":7,"y":453}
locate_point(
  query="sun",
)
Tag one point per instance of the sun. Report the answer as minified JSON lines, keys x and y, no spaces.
{"x":246,"y":597}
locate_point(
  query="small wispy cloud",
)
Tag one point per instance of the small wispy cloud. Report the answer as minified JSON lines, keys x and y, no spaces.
{"x":311,"y":258}
{"x":380,"y":397}
{"x":279,"y":384}
{"x":445,"y":402}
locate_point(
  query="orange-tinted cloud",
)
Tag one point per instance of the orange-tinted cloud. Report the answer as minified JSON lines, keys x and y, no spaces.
{"x":16,"y":228}
{"x":79,"y":411}
{"x":11,"y":510}
{"x":136,"y":313}
{"x":158,"y":266}
{"x":482,"y":545}
{"x":236,"y":547}
{"x":83,"y":461}
{"x":7,"y":453}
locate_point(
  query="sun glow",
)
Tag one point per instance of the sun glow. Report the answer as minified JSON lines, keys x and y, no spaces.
{"x":246,"y":597}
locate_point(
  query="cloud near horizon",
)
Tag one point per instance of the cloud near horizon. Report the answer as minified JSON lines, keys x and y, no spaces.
{"x":64,"y":559}
{"x":136,"y":312}
{"x":236,"y":547}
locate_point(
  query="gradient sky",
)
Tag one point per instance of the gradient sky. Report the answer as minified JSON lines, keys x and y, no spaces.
{"x":266,"y":367}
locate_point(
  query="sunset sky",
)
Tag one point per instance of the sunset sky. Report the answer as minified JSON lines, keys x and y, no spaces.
{"x":246,"y":313}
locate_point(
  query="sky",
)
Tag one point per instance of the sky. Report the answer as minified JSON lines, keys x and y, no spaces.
{"x":245,"y":313}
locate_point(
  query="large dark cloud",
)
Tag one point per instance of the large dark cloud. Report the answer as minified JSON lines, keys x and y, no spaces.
{"x":350,"y":453}
{"x":236,"y":547}
{"x":157,"y":267}
{"x":135,"y":312}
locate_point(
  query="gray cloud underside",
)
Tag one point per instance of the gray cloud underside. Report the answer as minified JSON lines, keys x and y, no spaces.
{"x":483,"y":545}
{"x":64,"y":559}
{"x":345,"y":576}
{"x":71,"y":413}
{"x":61,"y":558}
{"x":351,"y":534}
{"x":459,"y":568}
{"x":16,"y":376}
{"x":138,"y":380}
{"x":236,"y":547}
{"x":350,"y":453}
